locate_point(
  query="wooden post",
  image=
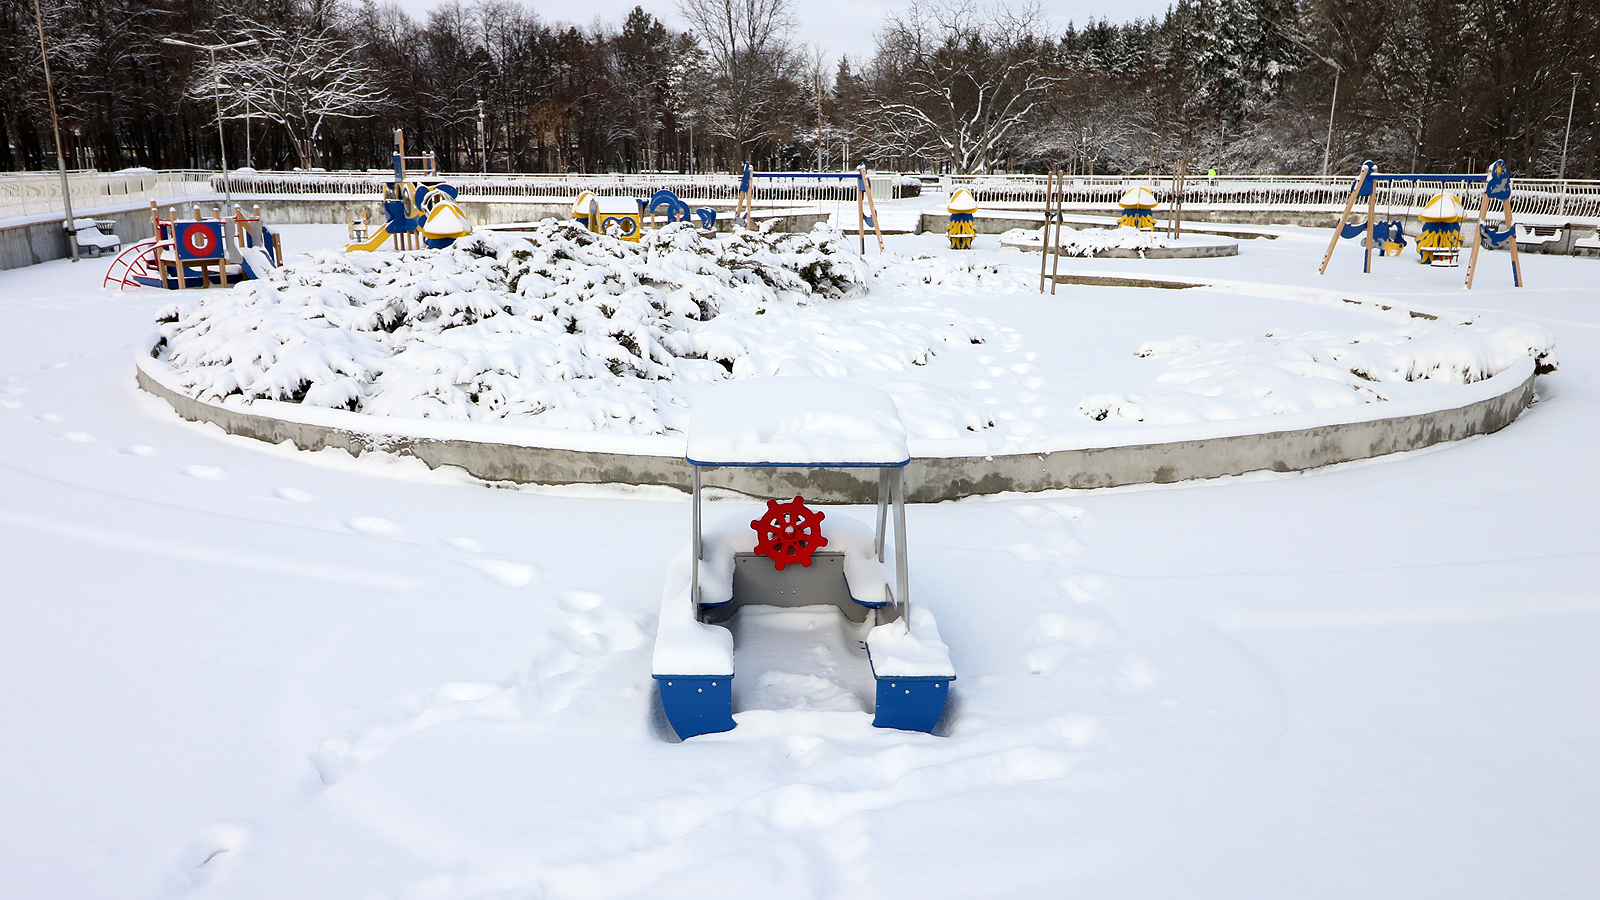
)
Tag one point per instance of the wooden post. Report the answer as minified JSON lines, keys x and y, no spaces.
{"x":1372,"y":212}
{"x":861,"y":222}
{"x":1178,"y":178}
{"x":1338,"y":227}
{"x":1055,"y":249}
{"x":1477,"y":235}
{"x":1516,"y":266}
{"x":1044,"y":239}
{"x":872,"y":203}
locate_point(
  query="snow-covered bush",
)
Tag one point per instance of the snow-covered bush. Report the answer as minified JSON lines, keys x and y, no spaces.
{"x":1211,"y":380}
{"x":558,"y":327}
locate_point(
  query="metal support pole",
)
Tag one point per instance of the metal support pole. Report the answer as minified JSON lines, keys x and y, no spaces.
{"x":1562,"y":173}
{"x":883,"y":510}
{"x":1327,"y":147}
{"x":694,"y":563}
{"x":222,"y":143}
{"x":902,"y":573}
{"x":55,"y":124}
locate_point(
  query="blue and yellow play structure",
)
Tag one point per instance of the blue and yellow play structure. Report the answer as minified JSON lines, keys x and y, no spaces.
{"x":624,"y":217}
{"x":1441,"y":240}
{"x":416,"y":214}
{"x":962,"y":228}
{"x":1138,"y":209}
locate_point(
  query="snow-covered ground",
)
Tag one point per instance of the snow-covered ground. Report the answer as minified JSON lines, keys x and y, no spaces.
{"x":234,"y":670}
{"x":560,"y":329}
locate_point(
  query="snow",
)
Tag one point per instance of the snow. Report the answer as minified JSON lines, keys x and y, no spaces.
{"x":909,"y":650}
{"x":560,"y":333}
{"x":1208,"y":380}
{"x":795,"y":421}
{"x":1372,"y":678}
{"x":1084,"y":242}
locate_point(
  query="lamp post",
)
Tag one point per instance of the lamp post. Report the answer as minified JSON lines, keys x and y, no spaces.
{"x":483,"y":145}
{"x":216,"y":91}
{"x":1562,"y":174}
{"x":55,"y":125}
{"x":1333,"y":103}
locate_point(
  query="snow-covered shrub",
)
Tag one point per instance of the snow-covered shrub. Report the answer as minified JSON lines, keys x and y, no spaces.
{"x":1210,"y":380}
{"x":559,"y":327}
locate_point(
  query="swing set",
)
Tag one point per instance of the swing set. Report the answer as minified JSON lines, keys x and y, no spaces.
{"x":866,"y":207}
{"x":1497,"y":186}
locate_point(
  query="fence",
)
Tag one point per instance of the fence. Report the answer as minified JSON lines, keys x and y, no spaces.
{"x":1530,"y":196}
{"x":36,"y":193}
{"x":39,"y":193}
{"x":474,"y":186}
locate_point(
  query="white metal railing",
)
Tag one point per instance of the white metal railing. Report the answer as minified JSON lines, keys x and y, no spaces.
{"x":34,"y":193}
{"x":38,"y":193}
{"x":1530,"y":196}
{"x":475,"y":186}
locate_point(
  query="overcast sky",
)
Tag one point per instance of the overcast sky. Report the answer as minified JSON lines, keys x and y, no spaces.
{"x":837,"y":26}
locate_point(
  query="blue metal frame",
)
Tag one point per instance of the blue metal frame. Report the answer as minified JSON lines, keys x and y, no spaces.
{"x":697,"y":704}
{"x":911,"y":704}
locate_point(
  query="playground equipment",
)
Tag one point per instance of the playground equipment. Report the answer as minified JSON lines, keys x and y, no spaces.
{"x":866,"y":206}
{"x":1440,"y":243}
{"x":198,"y":252}
{"x":416,"y":214}
{"x":1138,"y":209}
{"x":781,"y":560}
{"x":961,"y":230}
{"x":1436,"y":243}
{"x":621,"y":217}
{"x":1497,"y":186}
{"x":624,"y":218}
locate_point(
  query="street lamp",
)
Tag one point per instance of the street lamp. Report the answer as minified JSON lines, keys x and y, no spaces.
{"x":216,"y":91}
{"x":55,"y":125}
{"x":1562,"y":175}
{"x":1333,"y":103}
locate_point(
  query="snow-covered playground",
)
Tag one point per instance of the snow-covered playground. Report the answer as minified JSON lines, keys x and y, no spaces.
{"x":233,"y":669}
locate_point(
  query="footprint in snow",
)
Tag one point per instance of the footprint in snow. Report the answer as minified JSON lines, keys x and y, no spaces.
{"x":45,"y":417}
{"x":377,"y":526}
{"x":138,"y":450}
{"x":580,"y":601}
{"x":80,"y":437}
{"x":295,"y":494}
{"x":205,"y":473}
{"x":508,"y":573}
{"x":464,"y":544}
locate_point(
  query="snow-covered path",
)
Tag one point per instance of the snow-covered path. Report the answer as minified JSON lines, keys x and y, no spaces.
{"x":251,"y":672}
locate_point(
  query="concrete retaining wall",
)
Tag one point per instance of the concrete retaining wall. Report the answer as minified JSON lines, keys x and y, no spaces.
{"x":927,"y":479}
{"x":37,"y":242}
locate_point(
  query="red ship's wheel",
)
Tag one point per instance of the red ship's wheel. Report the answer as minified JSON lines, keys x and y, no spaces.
{"x":789,"y":532}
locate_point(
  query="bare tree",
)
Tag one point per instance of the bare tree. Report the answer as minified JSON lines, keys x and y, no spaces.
{"x":748,"y":42}
{"x":956,"y":85}
{"x":300,"y":77}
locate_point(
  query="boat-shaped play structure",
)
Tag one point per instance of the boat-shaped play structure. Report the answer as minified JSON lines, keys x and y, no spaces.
{"x":796,"y":559}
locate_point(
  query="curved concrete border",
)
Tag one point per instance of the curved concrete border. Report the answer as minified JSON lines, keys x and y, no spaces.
{"x":928,"y":479}
{"x":1209,"y":250}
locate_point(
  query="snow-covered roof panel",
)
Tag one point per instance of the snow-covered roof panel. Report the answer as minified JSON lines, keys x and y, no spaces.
{"x":795,"y":421}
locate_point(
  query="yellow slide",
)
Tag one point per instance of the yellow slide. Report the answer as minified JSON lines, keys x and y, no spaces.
{"x":372,"y":243}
